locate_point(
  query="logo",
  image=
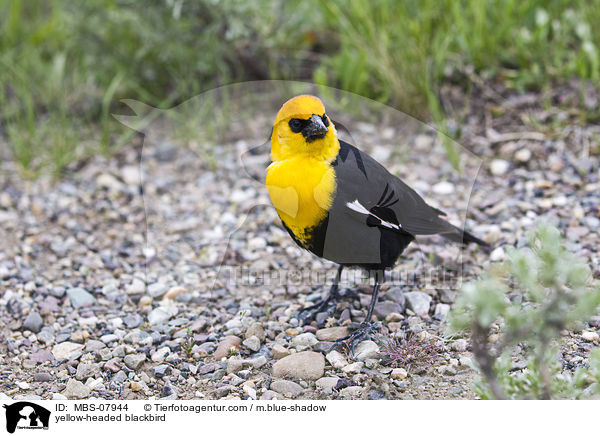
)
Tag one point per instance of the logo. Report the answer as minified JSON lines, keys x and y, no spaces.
{"x":26,"y":415}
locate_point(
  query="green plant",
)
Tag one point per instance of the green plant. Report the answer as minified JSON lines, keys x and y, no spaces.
{"x":524,"y":305}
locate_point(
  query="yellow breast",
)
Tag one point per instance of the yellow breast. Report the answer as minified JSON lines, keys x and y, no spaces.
{"x":302,"y":191}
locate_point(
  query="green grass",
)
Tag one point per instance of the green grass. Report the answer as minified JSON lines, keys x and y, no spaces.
{"x":65,"y":65}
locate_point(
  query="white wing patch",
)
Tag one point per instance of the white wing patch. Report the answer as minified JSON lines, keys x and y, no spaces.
{"x":357,"y":207}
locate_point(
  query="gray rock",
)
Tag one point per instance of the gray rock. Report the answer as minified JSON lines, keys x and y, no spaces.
{"x":327,"y":384}
{"x":270,"y":395}
{"x":161,"y":370}
{"x":459,"y":345}
{"x":134,"y":361}
{"x":80,"y":297}
{"x":384,"y":308}
{"x":256,"y":329}
{"x":161,"y":314}
{"x":42,"y":377}
{"x":396,"y":295}
{"x":286,"y":388}
{"x":352,"y":392}
{"x":46,"y":335}
{"x":33,"y":322}
{"x":93,"y":345}
{"x":156,"y":290}
{"x":85,"y":370}
{"x":366,"y":350}
{"x":441,"y":311}
{"x":76,"y":390}
{"x":67,"y":350}
{"x":418,"y":302}
{"x":252,"y":343}
{"x":42,"y":356}
{"x":133,"y":320}
{"x":305,"y":365}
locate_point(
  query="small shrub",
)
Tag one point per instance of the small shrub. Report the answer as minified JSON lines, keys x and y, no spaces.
{"x":526,"y":304}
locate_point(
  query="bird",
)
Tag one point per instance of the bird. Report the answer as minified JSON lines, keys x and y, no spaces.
{"x":342,"y":205}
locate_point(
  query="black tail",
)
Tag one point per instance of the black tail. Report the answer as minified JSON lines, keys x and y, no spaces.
{"x":465,"y":237}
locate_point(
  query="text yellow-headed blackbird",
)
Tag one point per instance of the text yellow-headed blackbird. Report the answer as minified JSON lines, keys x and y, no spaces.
{"x":341,"y":204}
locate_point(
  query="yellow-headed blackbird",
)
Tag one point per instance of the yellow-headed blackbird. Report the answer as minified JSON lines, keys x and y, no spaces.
{"x":341,"y":204}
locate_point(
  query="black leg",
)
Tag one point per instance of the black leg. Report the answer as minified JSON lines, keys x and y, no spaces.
{"x":366,"y":328}
{"x":307,"y":314}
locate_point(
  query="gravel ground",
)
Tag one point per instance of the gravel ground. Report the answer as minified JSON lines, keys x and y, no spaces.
{"x":189,"y":288}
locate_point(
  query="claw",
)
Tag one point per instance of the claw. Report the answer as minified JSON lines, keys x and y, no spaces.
{"x":363,"y":332}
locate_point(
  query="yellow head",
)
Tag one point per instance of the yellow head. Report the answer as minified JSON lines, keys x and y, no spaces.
{"x":302,"y":128}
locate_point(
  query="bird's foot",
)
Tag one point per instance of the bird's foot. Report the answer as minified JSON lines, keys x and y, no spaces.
{"x":308,"y":314}
{"x":365,"y":331}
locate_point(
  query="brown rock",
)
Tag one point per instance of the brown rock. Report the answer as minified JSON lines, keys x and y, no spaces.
{"x":226,"y":345}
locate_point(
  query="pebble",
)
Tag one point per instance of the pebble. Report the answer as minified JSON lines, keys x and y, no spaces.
{"x":75,"y":390}
{"x":384,"y":308}
{"x":304,"y":340}
{"x":85,"y":370}
{"x":134,"y":361}
{"x":305,"y":365}
{"x":336,"y":359}
{"x":399,"y":374}
{"x":523,"y":155}
{"x":418,"y":302}
{"x":443,"y":188}
{"x":497,"y":254}
{"x":80,"y":297}
{"x":499,"y":167}
{"x":256,"y":329}
{"x":279,"y":352}
{"x":67,"y":350}
{"x":33,"y":322}
{"x":252,"y":343}
{"x":366,"y":350}
{"x":23,"y":385}
{"x":42,"y":377}
{"x":353,"y":368}
{"x":286,"y":387}
{"x":332,"y":333}
{"x":459,"y":345}
{"x":590,"y":336}
{"x":226,"y":346}
{"x":161,"y":315}
{"x":327,"y":383}
{"x":352,"y":392}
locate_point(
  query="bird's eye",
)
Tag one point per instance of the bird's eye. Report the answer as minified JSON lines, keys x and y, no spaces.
{"x":325,"y":119}
{"x":296,"y":125}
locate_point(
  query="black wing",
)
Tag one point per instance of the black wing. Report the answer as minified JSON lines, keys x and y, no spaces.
{"x":369,"y":193}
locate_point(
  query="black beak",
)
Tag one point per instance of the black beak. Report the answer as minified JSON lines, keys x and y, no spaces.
{"x":315,"y":129}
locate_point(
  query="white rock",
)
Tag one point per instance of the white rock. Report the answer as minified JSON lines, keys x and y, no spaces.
{"x":497,"y":254}
{"x":443,"y":188}
{"x":353,"y":368}
{"x":23,"y":385}
{"x":499,"y":167}
{"x":336,"y":359}
{"x":399,"y":374}
{"x":304,"y":340}
{"x":66,"y":350}
{"x":590,"y":336}
{"x":523,"y":155}
{"x":131,"y":174}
